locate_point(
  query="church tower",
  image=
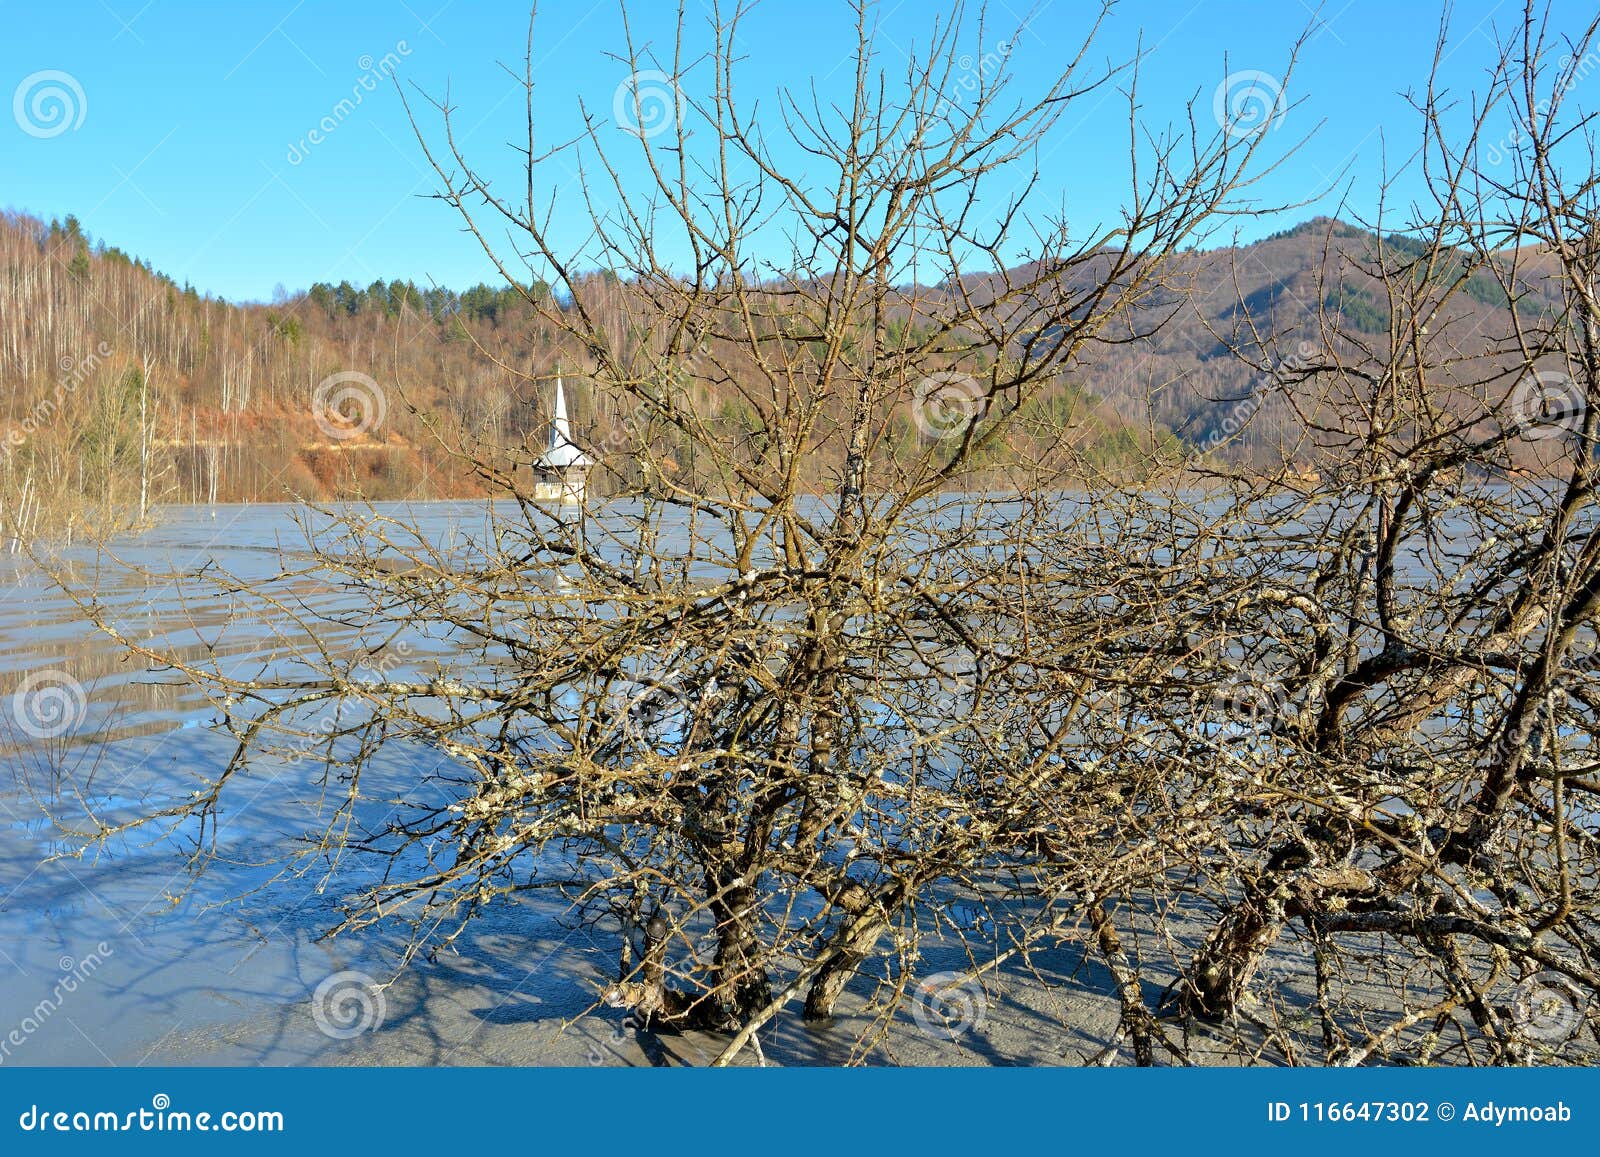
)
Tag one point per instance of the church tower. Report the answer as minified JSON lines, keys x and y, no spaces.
{"x":562,"y":470}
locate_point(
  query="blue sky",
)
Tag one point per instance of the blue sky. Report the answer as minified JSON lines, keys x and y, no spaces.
{"x":186,"y":132}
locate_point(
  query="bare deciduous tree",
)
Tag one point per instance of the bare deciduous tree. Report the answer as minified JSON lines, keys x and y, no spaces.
{"x":1397,"y":645}
{"x":774,"y":730}
{"x":1327,"y":726}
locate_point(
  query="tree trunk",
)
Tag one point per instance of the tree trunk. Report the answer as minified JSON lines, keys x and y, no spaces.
{"x":1287,"y":890}
{"x":740,"y":983}
{"x":1228,"y":959}
{"x":144,"y":439}
{"x":860,"y":935}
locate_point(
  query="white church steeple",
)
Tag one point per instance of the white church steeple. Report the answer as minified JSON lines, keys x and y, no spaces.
{"x":560,"y":472}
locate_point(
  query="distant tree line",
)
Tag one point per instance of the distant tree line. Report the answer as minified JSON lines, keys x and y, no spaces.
{"x":390,"y":298}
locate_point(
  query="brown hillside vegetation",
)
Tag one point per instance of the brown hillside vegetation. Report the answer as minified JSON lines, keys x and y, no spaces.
{"x":238,"y":399}
{"x":122,"y":388}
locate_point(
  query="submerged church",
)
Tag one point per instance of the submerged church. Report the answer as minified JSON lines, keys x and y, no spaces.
{"x":561,"y":471}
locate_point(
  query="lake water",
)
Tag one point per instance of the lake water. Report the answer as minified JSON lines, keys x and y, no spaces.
{"x":119,"y":956}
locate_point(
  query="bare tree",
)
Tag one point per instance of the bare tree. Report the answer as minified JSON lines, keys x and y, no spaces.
{"x":801,"y":683}
{"x":1372,"y":722}
{"x":853,"y":648}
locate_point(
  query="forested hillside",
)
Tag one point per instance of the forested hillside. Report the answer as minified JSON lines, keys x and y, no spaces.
{"x":123,"y":389}
{"x":118,"y":381}
{"x":1232,"y":322}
